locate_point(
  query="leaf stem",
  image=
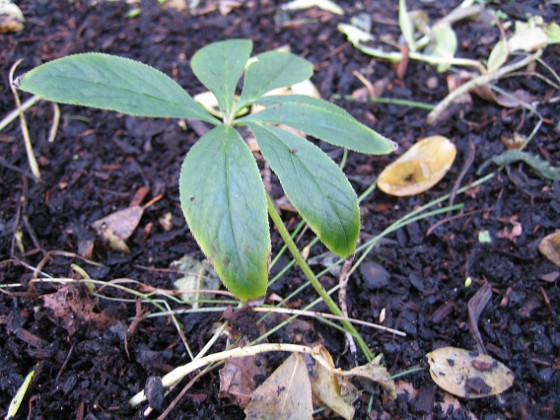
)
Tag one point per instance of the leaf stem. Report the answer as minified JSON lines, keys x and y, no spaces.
{"x":333,"y":307}
{"x":24,"y":129}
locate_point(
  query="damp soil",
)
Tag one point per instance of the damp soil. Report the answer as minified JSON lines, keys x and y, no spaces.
{"x":92,"y":354}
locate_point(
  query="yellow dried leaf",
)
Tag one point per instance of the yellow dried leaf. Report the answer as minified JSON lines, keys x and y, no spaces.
{"x":419,"y":168}
{"x":286,"y":394}
{"x":550,"y":247}
{"x":330,"y":389}
{"x":468,"y":374}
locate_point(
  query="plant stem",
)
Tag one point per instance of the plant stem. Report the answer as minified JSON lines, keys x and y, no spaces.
{"x":333,"y":307}
{"x":481,"y":80}
{"x":180,"y":372}
{"x":24,"y":129}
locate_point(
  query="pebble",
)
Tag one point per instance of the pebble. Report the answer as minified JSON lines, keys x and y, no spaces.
{"x":374,"y":275}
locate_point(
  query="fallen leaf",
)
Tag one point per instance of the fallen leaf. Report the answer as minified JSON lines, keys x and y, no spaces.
{"x":328,"y":260}
{"x":375,"y":373}
{"x":117,"y":227}
{"x":507,"y":99}
{"x":286,"y":394}
{"x":237,"y":379}
{"x":327,"y":387}
{"x":550,"y":247}
{"x":70,"y":305}
{"x":122,"y":223}
{"x":196,"y":275}
{"x":406,"y":388}
{"x":468,"y":374}
{"x":419,"y":168}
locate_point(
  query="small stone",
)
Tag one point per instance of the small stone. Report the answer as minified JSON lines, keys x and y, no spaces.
{"x":545,"y":375}
{"x":154,"y":392}
{"x":432,"y":82}
{"x":374,"y":275}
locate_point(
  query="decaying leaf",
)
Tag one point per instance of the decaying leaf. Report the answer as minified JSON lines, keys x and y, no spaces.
{"x":375,"y":373}
{"x":117,"y":227}
{"x":550,"y":247}
{"x":330,"y":389}
{"x":196,"y":275}
{"x":468,"y":374}
{"x":71,"y":305}
{"x":419,"y":168}
{"x":286,"y":394}
{"x":237,"y":379}
{"x":328,"y":260}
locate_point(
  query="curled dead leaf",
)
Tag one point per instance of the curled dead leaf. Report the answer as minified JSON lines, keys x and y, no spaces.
{"x":330,"y":389}
{"x":419,"y":168}
{"x":468,"y":374}
{"x":550,"y":247}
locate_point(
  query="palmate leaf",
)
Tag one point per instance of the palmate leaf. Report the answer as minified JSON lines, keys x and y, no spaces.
{"x":315,"y":185}
{"x":219,"y":66}
{"x":272,"y":70}
{"x":114,"y":83}
{"x":322,"y":120}
{"x":224,"y":202}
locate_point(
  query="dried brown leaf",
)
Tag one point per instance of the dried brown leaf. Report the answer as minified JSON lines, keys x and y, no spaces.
{"x":70,"y":305}
{"x":237,"y":379}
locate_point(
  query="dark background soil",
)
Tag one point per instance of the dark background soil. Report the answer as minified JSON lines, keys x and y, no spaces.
{"x":100,"y":159}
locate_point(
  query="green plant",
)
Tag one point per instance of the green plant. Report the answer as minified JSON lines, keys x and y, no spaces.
{"x":222,"y":195}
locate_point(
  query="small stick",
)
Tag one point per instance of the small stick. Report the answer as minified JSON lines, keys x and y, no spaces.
{"x":343,"y":282}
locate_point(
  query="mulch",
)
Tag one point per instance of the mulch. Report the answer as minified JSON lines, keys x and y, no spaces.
{"x":88,"y":366}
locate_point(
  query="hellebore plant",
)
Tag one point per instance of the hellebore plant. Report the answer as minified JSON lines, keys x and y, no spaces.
{"x":221,"y":191}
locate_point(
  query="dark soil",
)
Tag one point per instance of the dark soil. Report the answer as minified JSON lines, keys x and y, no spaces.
{"x":90,"y":365}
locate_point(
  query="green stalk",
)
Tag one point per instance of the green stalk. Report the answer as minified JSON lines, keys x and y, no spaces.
{"x":333,"y":307}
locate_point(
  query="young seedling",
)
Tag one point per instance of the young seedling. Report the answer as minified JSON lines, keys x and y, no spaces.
{"x":221,"y":192}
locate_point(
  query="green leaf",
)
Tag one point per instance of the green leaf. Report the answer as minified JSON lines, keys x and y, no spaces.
{"x":445,"y":44}
{"x":315,"y":185}
{"x":320,"y":119}
{"x":114,"y":83}
{"x":224,"y":202}
{"x":219,"y":66}
{"x":498,"y":56}
{"x":407,"y":25}
{"x":273,"y":70}
{"x":541,"y":167}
